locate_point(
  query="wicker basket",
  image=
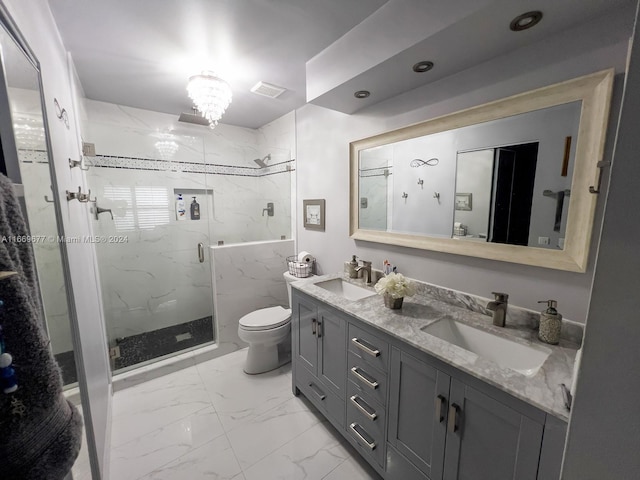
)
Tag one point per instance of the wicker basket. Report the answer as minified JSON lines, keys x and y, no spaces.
{"x":299,"y":269}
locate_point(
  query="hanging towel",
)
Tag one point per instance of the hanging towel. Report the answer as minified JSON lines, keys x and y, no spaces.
{"x":40,"y":431}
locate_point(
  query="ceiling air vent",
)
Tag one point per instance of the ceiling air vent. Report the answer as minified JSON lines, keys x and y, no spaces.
{"x":268,"y":90}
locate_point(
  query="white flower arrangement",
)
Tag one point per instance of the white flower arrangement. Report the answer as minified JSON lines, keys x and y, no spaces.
{"x":395,"y":285}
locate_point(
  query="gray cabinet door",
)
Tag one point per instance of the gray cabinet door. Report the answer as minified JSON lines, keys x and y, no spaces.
{"x":487,"y":440}
{"x":332,"y":351}
{"x":418,"y":412}
{"x":305,"y":325}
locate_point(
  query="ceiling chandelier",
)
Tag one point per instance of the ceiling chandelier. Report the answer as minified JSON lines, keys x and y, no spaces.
{"x":210,"y":94}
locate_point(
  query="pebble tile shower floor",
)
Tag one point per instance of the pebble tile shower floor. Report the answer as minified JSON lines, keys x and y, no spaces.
{"x":213,"y":421}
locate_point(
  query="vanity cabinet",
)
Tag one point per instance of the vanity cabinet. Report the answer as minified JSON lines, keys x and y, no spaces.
{"x":411,"y":416}
{"x":319,"y":352}
{"x":417,"y":417}
{"x":448,"y":430}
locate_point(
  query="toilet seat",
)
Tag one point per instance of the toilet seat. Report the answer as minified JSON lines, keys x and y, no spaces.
{"x":265,"y":319}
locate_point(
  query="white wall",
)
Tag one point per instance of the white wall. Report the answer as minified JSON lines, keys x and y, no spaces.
{"x":323,"y":162}
{"x":474,"y":174}
{"x":420,"y":212}
{"x":36,"y":23}
{"x":604,"y":428}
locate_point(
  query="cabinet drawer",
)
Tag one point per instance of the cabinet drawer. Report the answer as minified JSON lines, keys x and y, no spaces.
{"x":370,"y":348}
{"x":371,"y":442}
{"x":368,"y":378}
{"x":324,"y":399}
{"x":367,"y":412}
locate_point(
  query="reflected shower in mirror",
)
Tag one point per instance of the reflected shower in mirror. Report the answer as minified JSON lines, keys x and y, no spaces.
{"x":33,"y":171}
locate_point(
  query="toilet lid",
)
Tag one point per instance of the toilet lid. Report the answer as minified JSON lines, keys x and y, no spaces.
{"x":266,"y":318}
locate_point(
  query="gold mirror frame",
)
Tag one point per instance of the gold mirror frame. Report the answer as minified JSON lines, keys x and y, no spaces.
{"x":594,"y":91}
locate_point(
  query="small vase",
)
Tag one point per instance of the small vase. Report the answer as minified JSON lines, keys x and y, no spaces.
{"x":392,"y":303}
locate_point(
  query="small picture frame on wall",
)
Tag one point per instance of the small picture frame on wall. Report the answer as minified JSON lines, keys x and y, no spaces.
{"x":313,"y":212}
{"x":463,"y":201}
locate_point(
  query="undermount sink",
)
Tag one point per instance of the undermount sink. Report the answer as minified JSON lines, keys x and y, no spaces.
{"x":525,"y":359}
{"x":345,"y":289}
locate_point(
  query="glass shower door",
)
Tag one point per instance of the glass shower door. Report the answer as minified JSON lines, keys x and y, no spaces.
{"x":154,"y":263}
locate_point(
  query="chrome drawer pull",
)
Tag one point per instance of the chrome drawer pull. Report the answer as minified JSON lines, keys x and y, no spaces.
{"x":320,"y":395}
{"x":374,"y":352}
{"x":366,"y":381}
{"x":371,"y":445}
{"x":370,"y":415}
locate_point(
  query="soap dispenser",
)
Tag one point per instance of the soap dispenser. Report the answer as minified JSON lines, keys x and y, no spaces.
{"x":353,"y":264}
{"x":195,"y":210}
{"x":550,"y":323}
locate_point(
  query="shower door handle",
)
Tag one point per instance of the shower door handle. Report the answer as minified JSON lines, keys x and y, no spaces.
{"x":201,"y":252}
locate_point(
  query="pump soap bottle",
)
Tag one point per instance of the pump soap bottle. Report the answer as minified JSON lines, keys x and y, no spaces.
{"x":195,"y":210}
{"x":353,"y":273}
{"x":550,"y":323}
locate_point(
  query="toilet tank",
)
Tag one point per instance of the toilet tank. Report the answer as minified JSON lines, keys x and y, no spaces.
{"x":289,"y":278}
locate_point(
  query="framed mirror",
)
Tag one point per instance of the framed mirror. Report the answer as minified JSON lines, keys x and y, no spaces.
{"x":509,"y":180}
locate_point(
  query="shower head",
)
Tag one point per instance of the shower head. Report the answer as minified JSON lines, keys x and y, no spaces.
{"x":262,"y":162}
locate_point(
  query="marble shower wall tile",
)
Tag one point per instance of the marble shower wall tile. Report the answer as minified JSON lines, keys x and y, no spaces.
{"x":247,"y":277}
{"x":154,"y":280}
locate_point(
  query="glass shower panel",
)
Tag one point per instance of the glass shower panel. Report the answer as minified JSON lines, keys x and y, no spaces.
{"x":251,"y":200}
{"x":154,"y":266}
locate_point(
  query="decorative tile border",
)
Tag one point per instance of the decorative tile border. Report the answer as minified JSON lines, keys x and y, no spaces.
{"x":33,"y":156}
{"x":133,"y":163}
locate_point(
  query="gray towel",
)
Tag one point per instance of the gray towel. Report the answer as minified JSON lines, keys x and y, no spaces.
{"x":40,"y":431}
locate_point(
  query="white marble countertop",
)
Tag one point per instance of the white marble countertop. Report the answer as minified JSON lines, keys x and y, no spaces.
{"x":541,"y":390}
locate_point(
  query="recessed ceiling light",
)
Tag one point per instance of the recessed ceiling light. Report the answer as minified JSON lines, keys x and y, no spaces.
{"x":362,"y":94}
{"x":423,"y":66}
{"x":525,"y":21}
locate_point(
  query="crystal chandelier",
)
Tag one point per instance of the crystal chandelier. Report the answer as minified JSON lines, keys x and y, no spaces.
{"x":210,"y":94}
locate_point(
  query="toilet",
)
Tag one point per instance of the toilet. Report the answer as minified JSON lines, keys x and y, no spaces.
{"x":267,"y":331}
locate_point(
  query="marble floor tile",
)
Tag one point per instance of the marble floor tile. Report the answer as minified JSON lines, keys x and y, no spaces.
{"x":213,"y":421}
{"x":212,"y":461}
{"x":240,"y":398}
{"x":353,"y":469}
{"x":153,"y":404}
{"x":256,"y":439}
{"x":147,"y":453}
{"x":309,"y":456}
{"x":230,"y":362}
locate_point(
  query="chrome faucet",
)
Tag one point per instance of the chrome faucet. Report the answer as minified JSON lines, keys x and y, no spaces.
{"x":499,"y":308}
{"x":366,"y":266}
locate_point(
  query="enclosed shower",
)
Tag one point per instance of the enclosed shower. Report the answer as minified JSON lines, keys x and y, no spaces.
{"x":161,"y":198}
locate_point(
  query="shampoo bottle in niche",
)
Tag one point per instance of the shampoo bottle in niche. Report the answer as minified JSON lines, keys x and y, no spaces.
{"x":181,"y":208}
{"x":550,"y":323}
{"x":195,"y":210}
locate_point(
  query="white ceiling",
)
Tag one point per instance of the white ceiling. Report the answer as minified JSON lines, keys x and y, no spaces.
{"x":140,"y":53}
